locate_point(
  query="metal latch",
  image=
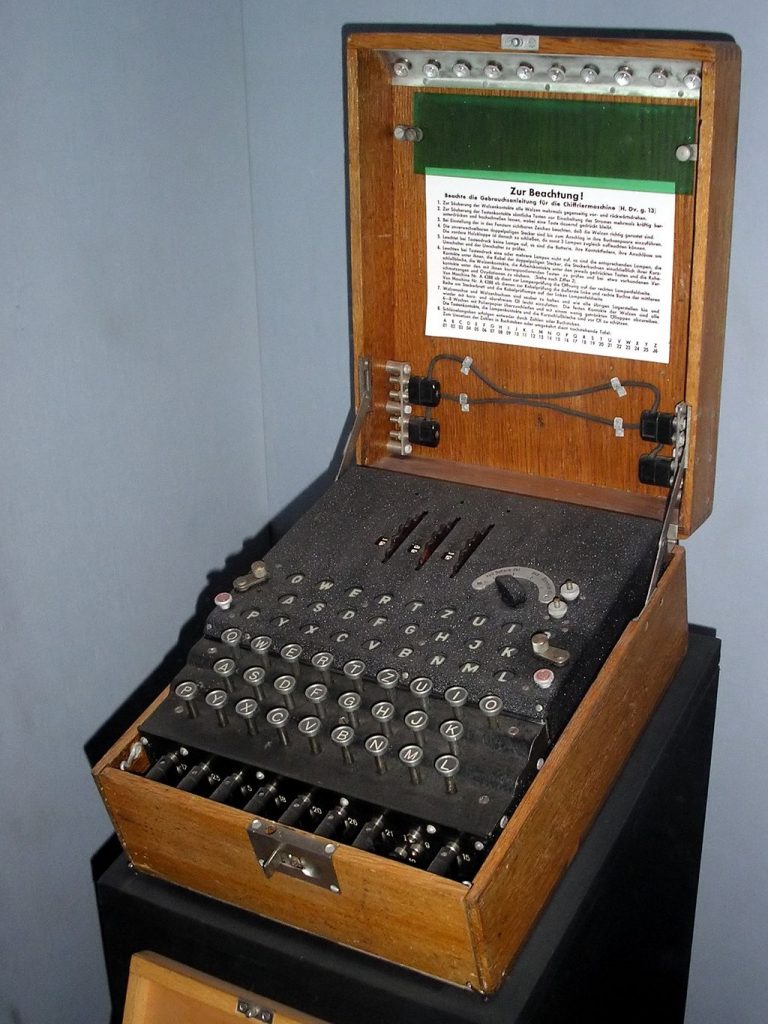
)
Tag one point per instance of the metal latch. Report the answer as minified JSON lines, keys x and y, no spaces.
{"x":288,"y":852}
{"x":254,"y":1012}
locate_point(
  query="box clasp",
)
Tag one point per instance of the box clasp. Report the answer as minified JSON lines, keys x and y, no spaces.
{"x":292,"y":853}
{"x":253,"y":1012}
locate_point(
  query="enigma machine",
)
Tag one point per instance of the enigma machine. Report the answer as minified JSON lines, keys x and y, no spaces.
{"x":397,"y":728}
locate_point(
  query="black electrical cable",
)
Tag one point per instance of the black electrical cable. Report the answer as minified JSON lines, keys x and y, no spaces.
{"x":543,"y":400}
{"x":602,"y":420}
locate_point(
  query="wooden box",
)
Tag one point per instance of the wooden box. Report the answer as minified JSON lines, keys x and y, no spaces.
{"x":161,"y":990}
{"x":469,"y":934}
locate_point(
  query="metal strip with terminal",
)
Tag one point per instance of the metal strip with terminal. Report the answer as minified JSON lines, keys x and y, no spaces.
{"x":364,"y":407}
{"x":668,"y":537}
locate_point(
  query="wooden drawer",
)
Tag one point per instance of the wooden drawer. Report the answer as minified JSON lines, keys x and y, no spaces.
{"x":162,"y":991}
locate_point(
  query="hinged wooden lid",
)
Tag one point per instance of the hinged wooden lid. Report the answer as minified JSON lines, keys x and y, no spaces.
{"x":512,"y":446}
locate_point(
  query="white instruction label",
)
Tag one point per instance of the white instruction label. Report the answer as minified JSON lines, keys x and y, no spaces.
{"x":552,"y":266}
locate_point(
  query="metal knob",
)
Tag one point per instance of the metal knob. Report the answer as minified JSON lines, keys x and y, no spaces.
{"x":255,"y":676}
{"x":350,"y":704}
{"x":225,"y":669}
{"x":290,"y":653}
{"x":623,"y":76}
{"x":279,"y":718}
{"x":431,"y":69}
{"x":524,"y":71}
{"x":217,"y":699}
{"x":557,"y":608}
{"x":322,"y":661}
{"x":491,"y":706}
{"x":462,"y":69}
{"x":492,"y":70}
{"x":692,"y":80}
{"x":570,"y":591}
{"x":262,"y":645}
{"x":310,"y":727}
{"x":247,"y":708}
{"x":447,"y":765}
{"x":388,"y":678}
{"x":540,"y":643}
{"x":344,"y":736}
{"x":421,"y":688}
{"x":456,"y":697}
{"x":188,"y":692}
{"x":452,"y":731}
{"x":411,"y":756}
{"x":223,"y":601}
{"x":377,"y":746}
{"x":658,"y":77}
{"x":544,"y":677}
{"x":383,"y":712}
{"x":317,"y":694}
{"x":285,"y":685}
{"x":355,"y":670}
{"x":401,"y":67}
{"x":556,"y":73}
{"x":417,"y":722}
{"x":589,"y":73}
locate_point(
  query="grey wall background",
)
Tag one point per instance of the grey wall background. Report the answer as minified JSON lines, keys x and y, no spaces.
{"x":172,"y":179}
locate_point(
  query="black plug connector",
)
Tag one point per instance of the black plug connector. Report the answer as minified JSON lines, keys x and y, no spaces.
{"x":423,"y":431}
{"x":659,"y":427}
{"x":655,"y":470}
{"x":424,"y":391}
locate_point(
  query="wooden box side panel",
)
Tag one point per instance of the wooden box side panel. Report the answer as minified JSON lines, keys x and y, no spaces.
{"x":389,"y":279}
{"x":161,"y":990}
{"x":546,"y":830}
{"x":672,"y":49}
{"x":369,"y":120}
{"x":709,"y":287}
{"x":384,"y":908}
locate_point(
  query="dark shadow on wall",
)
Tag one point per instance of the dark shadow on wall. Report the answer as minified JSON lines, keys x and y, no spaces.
{"x":220,"y":579}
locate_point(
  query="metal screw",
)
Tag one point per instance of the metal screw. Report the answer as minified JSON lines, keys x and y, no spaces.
{"x":692,"y":80}
{"x":589,"y":73}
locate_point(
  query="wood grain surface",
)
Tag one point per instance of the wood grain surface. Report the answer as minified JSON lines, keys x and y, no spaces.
{"x":546,"y":830}
{"x":162,"y":991}
{"x":388,"y":260}
{"x":384,"y":908}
